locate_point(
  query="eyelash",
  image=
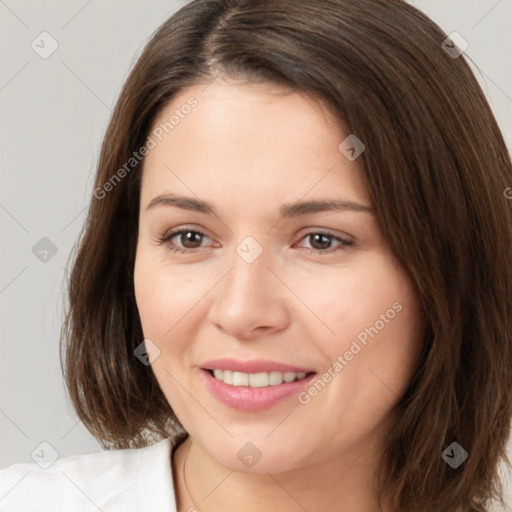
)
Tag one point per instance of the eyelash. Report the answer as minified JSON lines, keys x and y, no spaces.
{"x":168,"y":236}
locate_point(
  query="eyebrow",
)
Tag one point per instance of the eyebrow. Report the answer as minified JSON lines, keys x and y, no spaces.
{"x":287,"y":210}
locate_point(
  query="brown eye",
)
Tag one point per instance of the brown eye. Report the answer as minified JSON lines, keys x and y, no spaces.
{"x":320,"y":242}
{"x":190,"y":239}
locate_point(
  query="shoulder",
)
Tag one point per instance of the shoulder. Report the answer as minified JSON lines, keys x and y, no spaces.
{"x":111,"y":480}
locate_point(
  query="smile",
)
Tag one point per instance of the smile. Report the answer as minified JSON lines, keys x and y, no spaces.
{"x":255,"y":385}
{"x":256,"y":380}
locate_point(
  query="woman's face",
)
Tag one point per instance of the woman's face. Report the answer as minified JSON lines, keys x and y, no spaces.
{"x":270,"y":290}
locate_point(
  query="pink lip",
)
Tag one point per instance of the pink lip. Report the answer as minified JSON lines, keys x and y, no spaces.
{"x":245,"y":398}
{"x":253,"y":366}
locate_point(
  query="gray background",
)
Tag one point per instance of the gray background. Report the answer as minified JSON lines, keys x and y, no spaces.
{"x":54,"y":114}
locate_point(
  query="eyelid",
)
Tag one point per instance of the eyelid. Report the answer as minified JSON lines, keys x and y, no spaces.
{"x":326,"y":231}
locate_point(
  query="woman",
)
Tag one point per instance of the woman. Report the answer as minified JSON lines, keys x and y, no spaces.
{"x":293,"y":289}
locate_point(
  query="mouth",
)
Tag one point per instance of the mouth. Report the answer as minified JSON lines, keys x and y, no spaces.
{"x":261,"y":386}
{"x":256,"y":380}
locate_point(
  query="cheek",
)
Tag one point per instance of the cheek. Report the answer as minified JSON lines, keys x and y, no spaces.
{"x":376,"y":325}
{"x":164,"y":296}
{"x":373,"y":355}
{"x":165,"y":299}
{"x":364,"y":300}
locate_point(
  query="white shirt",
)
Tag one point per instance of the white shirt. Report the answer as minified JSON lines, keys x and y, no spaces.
{"x":136,"y":479}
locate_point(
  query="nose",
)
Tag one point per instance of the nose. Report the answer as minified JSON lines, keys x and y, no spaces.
{"x":251,"y":300}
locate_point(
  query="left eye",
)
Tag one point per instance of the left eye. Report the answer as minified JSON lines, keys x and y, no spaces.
{"x":194,"y":237}
{"x":321,"y":239}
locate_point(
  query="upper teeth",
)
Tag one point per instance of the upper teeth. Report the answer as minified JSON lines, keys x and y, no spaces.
{"x":256,"y":380}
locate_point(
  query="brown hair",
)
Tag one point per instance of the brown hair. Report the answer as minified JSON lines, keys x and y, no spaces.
{"x":436,"y":167}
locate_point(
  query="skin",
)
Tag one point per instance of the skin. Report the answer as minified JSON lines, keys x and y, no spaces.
{"x":247,"y":149}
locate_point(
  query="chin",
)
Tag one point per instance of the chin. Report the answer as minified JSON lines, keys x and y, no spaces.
{"x":259,"y":456}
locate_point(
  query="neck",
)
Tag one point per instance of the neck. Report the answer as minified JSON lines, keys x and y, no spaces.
{"x":341,"y":483}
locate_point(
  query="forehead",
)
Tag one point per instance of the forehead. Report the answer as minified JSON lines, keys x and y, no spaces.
{"x":242,"y":137}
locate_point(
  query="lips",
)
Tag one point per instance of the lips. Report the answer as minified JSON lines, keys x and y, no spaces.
{"x":253,"y":366}
{"x":256,"y":395}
